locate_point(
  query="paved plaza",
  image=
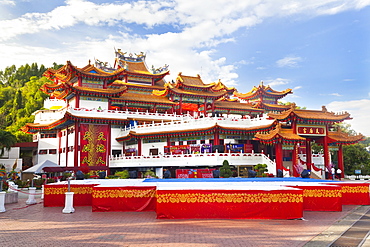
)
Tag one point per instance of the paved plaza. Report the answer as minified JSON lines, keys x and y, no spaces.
{"x":35,"y":225}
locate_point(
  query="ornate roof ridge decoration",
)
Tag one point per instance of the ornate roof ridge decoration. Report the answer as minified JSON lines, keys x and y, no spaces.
{"x":279,"y":134}
{"x":195,"y":82}
{"x":130,"y":58}
{"x":218,"y":86}
{"x":339,"y":137}
{"x":63,"y":90}
{"x":229,"y":100}
{"x":263,"y":90}
{"x":135,"y":64}
{"x":311,"y":116}
{"x":103,"y":66}
{"x":67,"y":72}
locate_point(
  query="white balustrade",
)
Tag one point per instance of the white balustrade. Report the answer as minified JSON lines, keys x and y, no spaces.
{"x":193,"y":160}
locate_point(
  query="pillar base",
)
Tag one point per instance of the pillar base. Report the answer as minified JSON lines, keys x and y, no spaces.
{"x":68,"y":208}
{"x":2,"y":201}
{"x":31,"y":197}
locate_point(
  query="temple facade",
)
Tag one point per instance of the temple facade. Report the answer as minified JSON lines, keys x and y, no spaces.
{"x":130,"y":117}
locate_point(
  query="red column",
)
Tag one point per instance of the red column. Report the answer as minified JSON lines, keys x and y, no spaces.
{"x":216,"y":138}
{"x":59,"y":145}
{"x":295,"y":160}
{"x":308,"y":154}
{"x":77,"y":104}
{"x":180,"y":105}
{"x":279,"y":156}
{"x":325,"y":147}
{"x":341,"y":161}
{"x":76,"y":149}
{"x":168,"y":141}
{"x":67,"y":146}
{"x":139,"y":147}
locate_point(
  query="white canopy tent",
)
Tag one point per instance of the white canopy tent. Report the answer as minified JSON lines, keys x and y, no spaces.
{"x":39,"y":168}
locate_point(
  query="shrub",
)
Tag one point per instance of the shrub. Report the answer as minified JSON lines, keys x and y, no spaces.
{"x":260,"y":169}
{"x":149,"y":174}
{"x":123,"y":174}
{"x":225,"y":170}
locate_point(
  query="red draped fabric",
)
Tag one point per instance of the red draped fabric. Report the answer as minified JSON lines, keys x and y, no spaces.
{"x":354,"y":193}
{"x":94,"y":144}
{"x":54,"y":195}
{"x":229,"y":204}
{"x":122,"y":199}
{"x":321,"y":198}
{"x":315,"y":167}
{"x":286,"y":169}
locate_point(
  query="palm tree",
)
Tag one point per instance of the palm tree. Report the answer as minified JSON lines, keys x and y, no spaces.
{"x":7,"y":140}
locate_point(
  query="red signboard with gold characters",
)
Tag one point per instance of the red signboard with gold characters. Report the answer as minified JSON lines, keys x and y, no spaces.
{"x":94,"y":144}
{"x":311,"y":130}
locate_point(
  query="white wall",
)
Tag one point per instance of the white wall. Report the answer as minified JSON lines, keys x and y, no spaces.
{"x":93,"y":104}
{"x":147,"y":146}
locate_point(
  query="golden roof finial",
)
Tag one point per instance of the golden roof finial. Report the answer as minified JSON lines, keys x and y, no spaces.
{"x":324,"y":109}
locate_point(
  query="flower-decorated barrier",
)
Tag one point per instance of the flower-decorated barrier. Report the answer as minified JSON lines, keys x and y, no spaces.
{"x":321,"y":197}
{"x":354,"y":193}
{"x":229,"y":204}
{"x":54,"y":194}
{"x":129,"y":198}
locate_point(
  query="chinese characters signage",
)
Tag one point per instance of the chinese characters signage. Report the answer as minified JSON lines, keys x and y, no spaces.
{"x":94,"y":144}
{"x":311,"y":130}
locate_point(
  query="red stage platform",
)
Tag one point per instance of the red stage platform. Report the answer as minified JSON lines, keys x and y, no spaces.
{"x":229,"y":204}
{"x":214,"y":200}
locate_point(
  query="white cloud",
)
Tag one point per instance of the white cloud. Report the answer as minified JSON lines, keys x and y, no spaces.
{"x":336,"y":94}
{"x":7,"y":2}
{"x":197,"y":29}
{"x":277,"y":82}
{"x":289,"y":61}
{"x":358,"y":109}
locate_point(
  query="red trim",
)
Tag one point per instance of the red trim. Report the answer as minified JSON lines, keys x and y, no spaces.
{"x":341,"y":161}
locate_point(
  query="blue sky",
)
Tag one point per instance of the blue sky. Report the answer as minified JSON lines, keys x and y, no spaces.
{"x":318,"y":48}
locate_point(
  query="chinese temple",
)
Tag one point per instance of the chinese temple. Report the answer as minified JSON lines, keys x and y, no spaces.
{"x":128,"y":117}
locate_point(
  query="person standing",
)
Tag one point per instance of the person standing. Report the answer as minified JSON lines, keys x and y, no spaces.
{"x":333,"y":173}
{"x":339,"y":172}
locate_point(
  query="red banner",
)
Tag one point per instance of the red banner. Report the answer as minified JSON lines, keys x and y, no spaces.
{"x":94,"y":144}
{"x":311,"y":130}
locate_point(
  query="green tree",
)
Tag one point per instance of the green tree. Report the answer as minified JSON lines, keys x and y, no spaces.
{"x":260,"y":169}
{"x":7,"y":140}
{"x":225,"y":170}
{"x":356,"y":157}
